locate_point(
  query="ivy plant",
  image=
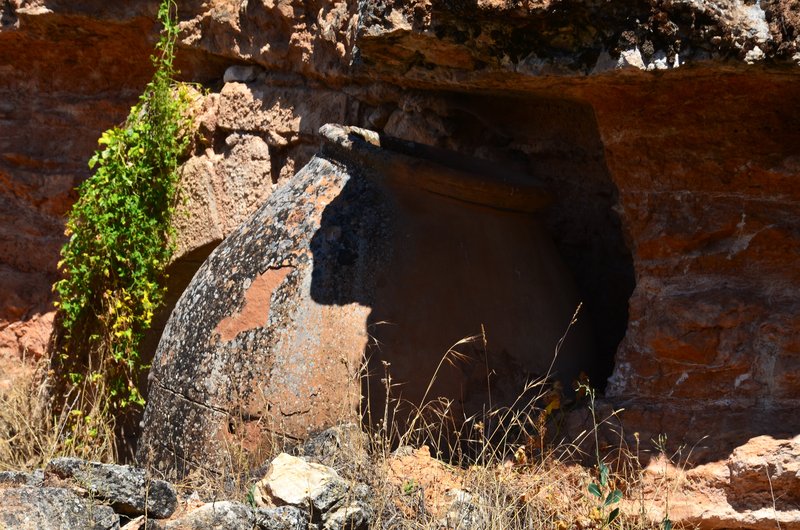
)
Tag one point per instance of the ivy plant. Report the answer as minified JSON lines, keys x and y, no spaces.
{"x":121,"y":239}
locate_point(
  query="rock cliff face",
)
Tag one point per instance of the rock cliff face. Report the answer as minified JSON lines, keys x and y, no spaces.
{"x":666,"y":131}
{"x":70,"y":70}
{"x":65,"y":76}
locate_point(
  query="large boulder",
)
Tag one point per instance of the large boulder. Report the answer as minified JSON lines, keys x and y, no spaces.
{"x":370,"y":261}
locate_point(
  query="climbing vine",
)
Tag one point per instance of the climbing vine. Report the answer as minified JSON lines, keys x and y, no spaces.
{"x":120,"y":239}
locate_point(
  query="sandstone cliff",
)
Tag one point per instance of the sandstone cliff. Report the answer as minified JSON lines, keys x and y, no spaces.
{"x":666,"y":131}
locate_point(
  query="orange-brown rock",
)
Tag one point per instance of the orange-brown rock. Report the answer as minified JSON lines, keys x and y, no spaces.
{"x":665,"y":131}
{"x":68,"y":72}
{"x":756,"y":487}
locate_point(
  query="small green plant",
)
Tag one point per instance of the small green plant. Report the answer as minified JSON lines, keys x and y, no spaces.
{"x":250,"y":498}
{"x":120,"y":241}
{"x":605,"y":500}
{"x":410,"y":486}
{"x":602,"y":490}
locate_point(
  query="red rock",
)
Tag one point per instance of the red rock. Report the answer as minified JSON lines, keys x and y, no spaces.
{"x":699,"y":163}
{"x":739,"y":492}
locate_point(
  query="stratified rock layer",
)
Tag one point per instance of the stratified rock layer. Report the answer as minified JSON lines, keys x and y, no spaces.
{"x":713,"y":331}
{"x":65,"y":76}
{"x":666,"y":131}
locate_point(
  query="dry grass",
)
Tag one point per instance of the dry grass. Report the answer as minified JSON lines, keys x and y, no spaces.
{"x":508,"y":476}
{"x":508,"y":479}
{"x":27,"y":437}
{"x":501,"y":469}
{"x":31,"y":434}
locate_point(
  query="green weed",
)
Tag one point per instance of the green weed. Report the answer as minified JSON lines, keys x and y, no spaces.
{"x":120,"y":241}
{"x":606,"y":496}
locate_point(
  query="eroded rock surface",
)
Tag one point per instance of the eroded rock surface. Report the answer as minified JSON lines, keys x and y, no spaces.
{"x":66,"y":75}
{"x":712,"y":337}
{"x":70,"y":70}
{"x":30,"y":508}
{"x":240,"y":386}
{"x":127,"y":489}
{"x":271,"y":335}
{"x":756,"y":487}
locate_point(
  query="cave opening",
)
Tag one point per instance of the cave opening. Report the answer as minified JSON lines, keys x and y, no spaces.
{"x":473,"y":258}
{"x":460,"y":269}
{"x":557,"y":142}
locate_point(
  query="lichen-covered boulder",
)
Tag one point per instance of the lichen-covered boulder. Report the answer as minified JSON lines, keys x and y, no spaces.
{"x":378,"y":257}
{"x":248,"y":350}
{"x":31,"y":508}
{"x":127,"y":489}
{"x":224,"y":515}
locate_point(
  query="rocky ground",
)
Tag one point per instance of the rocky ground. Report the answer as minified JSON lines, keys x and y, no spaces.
{"x":293,"y":493}
{"x":335,"y":481}
{"x":71,"y":493}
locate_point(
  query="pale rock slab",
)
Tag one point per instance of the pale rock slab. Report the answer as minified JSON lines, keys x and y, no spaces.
{"x":293,"y":481}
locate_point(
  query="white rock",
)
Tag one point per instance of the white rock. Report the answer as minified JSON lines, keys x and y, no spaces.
{"x":660,"y":61}
{"x":754,"y":55}
{"x":632,"y":57}
{"x":239,"y":73}
{"x":293,"y":481}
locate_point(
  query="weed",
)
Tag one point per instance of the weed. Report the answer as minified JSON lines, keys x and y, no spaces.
{"x":606,"y":496}
{"x":250,"y":497}
{"x":120,"y":241}
{"x":409,"y":486}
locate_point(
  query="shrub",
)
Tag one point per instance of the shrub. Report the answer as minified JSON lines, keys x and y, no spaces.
{"x":120,"y":241}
